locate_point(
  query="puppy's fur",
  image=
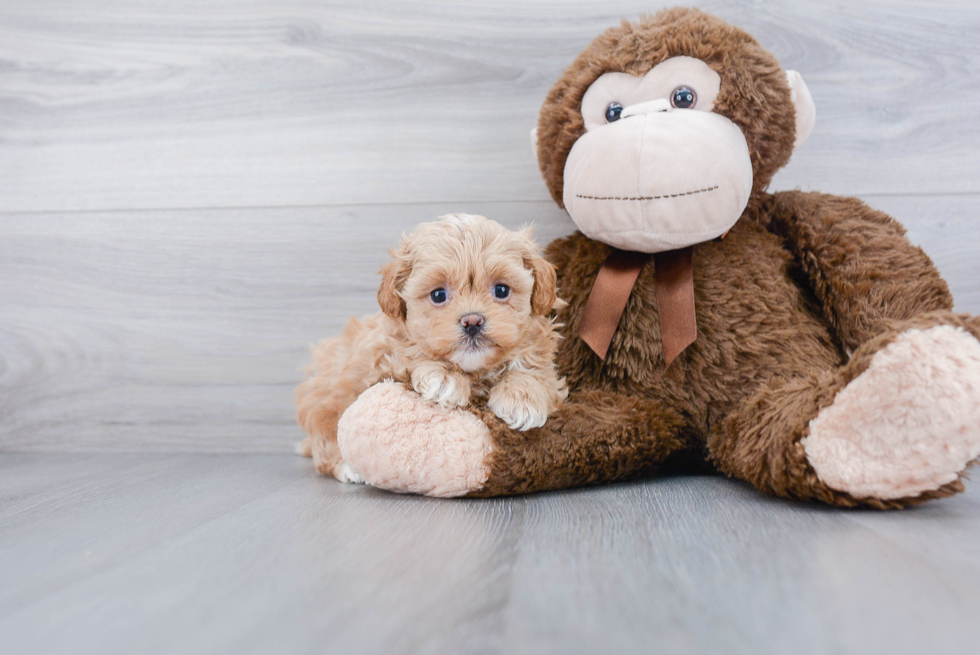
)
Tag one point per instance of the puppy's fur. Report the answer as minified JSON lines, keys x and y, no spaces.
{"x":510,"y":361}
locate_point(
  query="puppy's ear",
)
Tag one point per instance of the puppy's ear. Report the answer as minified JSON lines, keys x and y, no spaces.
{"x":393,"y":277}
{"x":544,"y":296}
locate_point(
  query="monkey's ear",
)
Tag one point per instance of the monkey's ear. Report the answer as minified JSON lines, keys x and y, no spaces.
{"x":534,"y":142}
{"x":393,"y":276}
{"x":806,"y":111}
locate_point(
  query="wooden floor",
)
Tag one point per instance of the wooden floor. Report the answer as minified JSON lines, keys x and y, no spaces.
{"x":192,"y":192}
{"x":189,"y":553}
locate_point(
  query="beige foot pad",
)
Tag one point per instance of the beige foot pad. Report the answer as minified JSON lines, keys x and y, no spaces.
{"x":397,"y":441}
{"x":910,"y":423}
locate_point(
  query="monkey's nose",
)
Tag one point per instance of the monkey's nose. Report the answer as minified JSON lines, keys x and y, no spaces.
{"x":653,"y":106}
{"x":472,"y":323}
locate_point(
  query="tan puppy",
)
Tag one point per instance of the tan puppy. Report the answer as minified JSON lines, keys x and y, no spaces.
{"x":466,"y":313}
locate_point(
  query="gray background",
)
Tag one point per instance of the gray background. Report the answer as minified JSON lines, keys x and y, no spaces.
{"x":192,"y":192}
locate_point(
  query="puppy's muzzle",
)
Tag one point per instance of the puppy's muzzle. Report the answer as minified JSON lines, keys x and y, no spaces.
{"x":472,"y":324}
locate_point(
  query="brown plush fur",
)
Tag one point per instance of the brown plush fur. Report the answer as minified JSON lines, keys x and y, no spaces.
{"x":754,"y":93}
{"x":791,"y":305}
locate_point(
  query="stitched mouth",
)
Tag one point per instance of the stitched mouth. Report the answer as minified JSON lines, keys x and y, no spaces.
{"x":666,"y":195}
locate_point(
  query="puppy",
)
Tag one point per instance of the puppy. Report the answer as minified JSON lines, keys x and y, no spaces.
{"x":466,"y":313}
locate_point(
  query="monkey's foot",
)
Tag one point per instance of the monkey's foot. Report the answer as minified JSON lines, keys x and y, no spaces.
{"x":398,"y":441}
{"x":910,"y":423}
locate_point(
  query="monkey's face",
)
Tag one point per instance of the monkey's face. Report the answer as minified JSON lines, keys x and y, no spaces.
{"x":660,"y":132}
{"x":657,"y":169}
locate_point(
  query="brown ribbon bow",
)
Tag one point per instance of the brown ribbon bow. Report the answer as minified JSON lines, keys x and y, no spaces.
{"x":674,"y":271}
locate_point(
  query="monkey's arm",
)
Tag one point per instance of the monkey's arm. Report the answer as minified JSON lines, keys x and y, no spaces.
{"x":858,"y":262}
{"x":595,"y":437}
{"x":400,"y":442}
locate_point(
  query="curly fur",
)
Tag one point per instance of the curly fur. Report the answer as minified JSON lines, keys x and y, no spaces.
{"x":413,"y":341}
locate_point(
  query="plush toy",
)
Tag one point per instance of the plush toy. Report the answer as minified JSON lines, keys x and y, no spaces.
{"x":796,"y":341}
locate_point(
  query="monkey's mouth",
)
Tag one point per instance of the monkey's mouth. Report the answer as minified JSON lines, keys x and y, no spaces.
{"x":661,"y":197}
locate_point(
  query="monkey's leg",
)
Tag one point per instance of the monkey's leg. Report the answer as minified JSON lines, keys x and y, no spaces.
{"x":398,"y":441}
{"x":897,"y":425}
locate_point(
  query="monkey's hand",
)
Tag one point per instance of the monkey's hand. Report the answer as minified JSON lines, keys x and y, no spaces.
{"x":400,"y":442}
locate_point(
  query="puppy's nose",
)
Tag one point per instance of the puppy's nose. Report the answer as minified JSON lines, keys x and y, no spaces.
{"x":472,"y":323}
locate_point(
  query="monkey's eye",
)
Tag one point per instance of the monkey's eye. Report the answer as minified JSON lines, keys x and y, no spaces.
{"x":613,"y":111}
{"x":683,"y":97}
{"x":501,"y":292}
{"x":438,"y":296}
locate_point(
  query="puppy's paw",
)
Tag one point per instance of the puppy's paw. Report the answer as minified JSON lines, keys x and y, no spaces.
{"x":304,"y":448}
{"x":349,"y":475}
{"x":519,"y":410}
{"x":434,"y":383}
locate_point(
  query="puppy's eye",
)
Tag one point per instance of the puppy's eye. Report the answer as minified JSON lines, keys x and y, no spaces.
{"x":613,"y":111}
{"x":501,"y":292}
{"x":683,"y":97}
{"x":438,"y":296}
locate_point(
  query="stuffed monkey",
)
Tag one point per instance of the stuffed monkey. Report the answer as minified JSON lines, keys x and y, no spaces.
{"x":796,"y":341}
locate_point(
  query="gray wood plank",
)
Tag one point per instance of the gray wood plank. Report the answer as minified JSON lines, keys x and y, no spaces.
{"x":311,"y":567}
{"x":260,"y":103}
{"x":187,"y":330}
{"x":113,"y":508}
{"x":255,"y":554}
{"x":23,"y":489}
{"x":706,"y":565}
{"x":945,"y":532}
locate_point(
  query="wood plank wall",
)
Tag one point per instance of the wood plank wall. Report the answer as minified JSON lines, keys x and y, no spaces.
{"x":191,"y":193}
